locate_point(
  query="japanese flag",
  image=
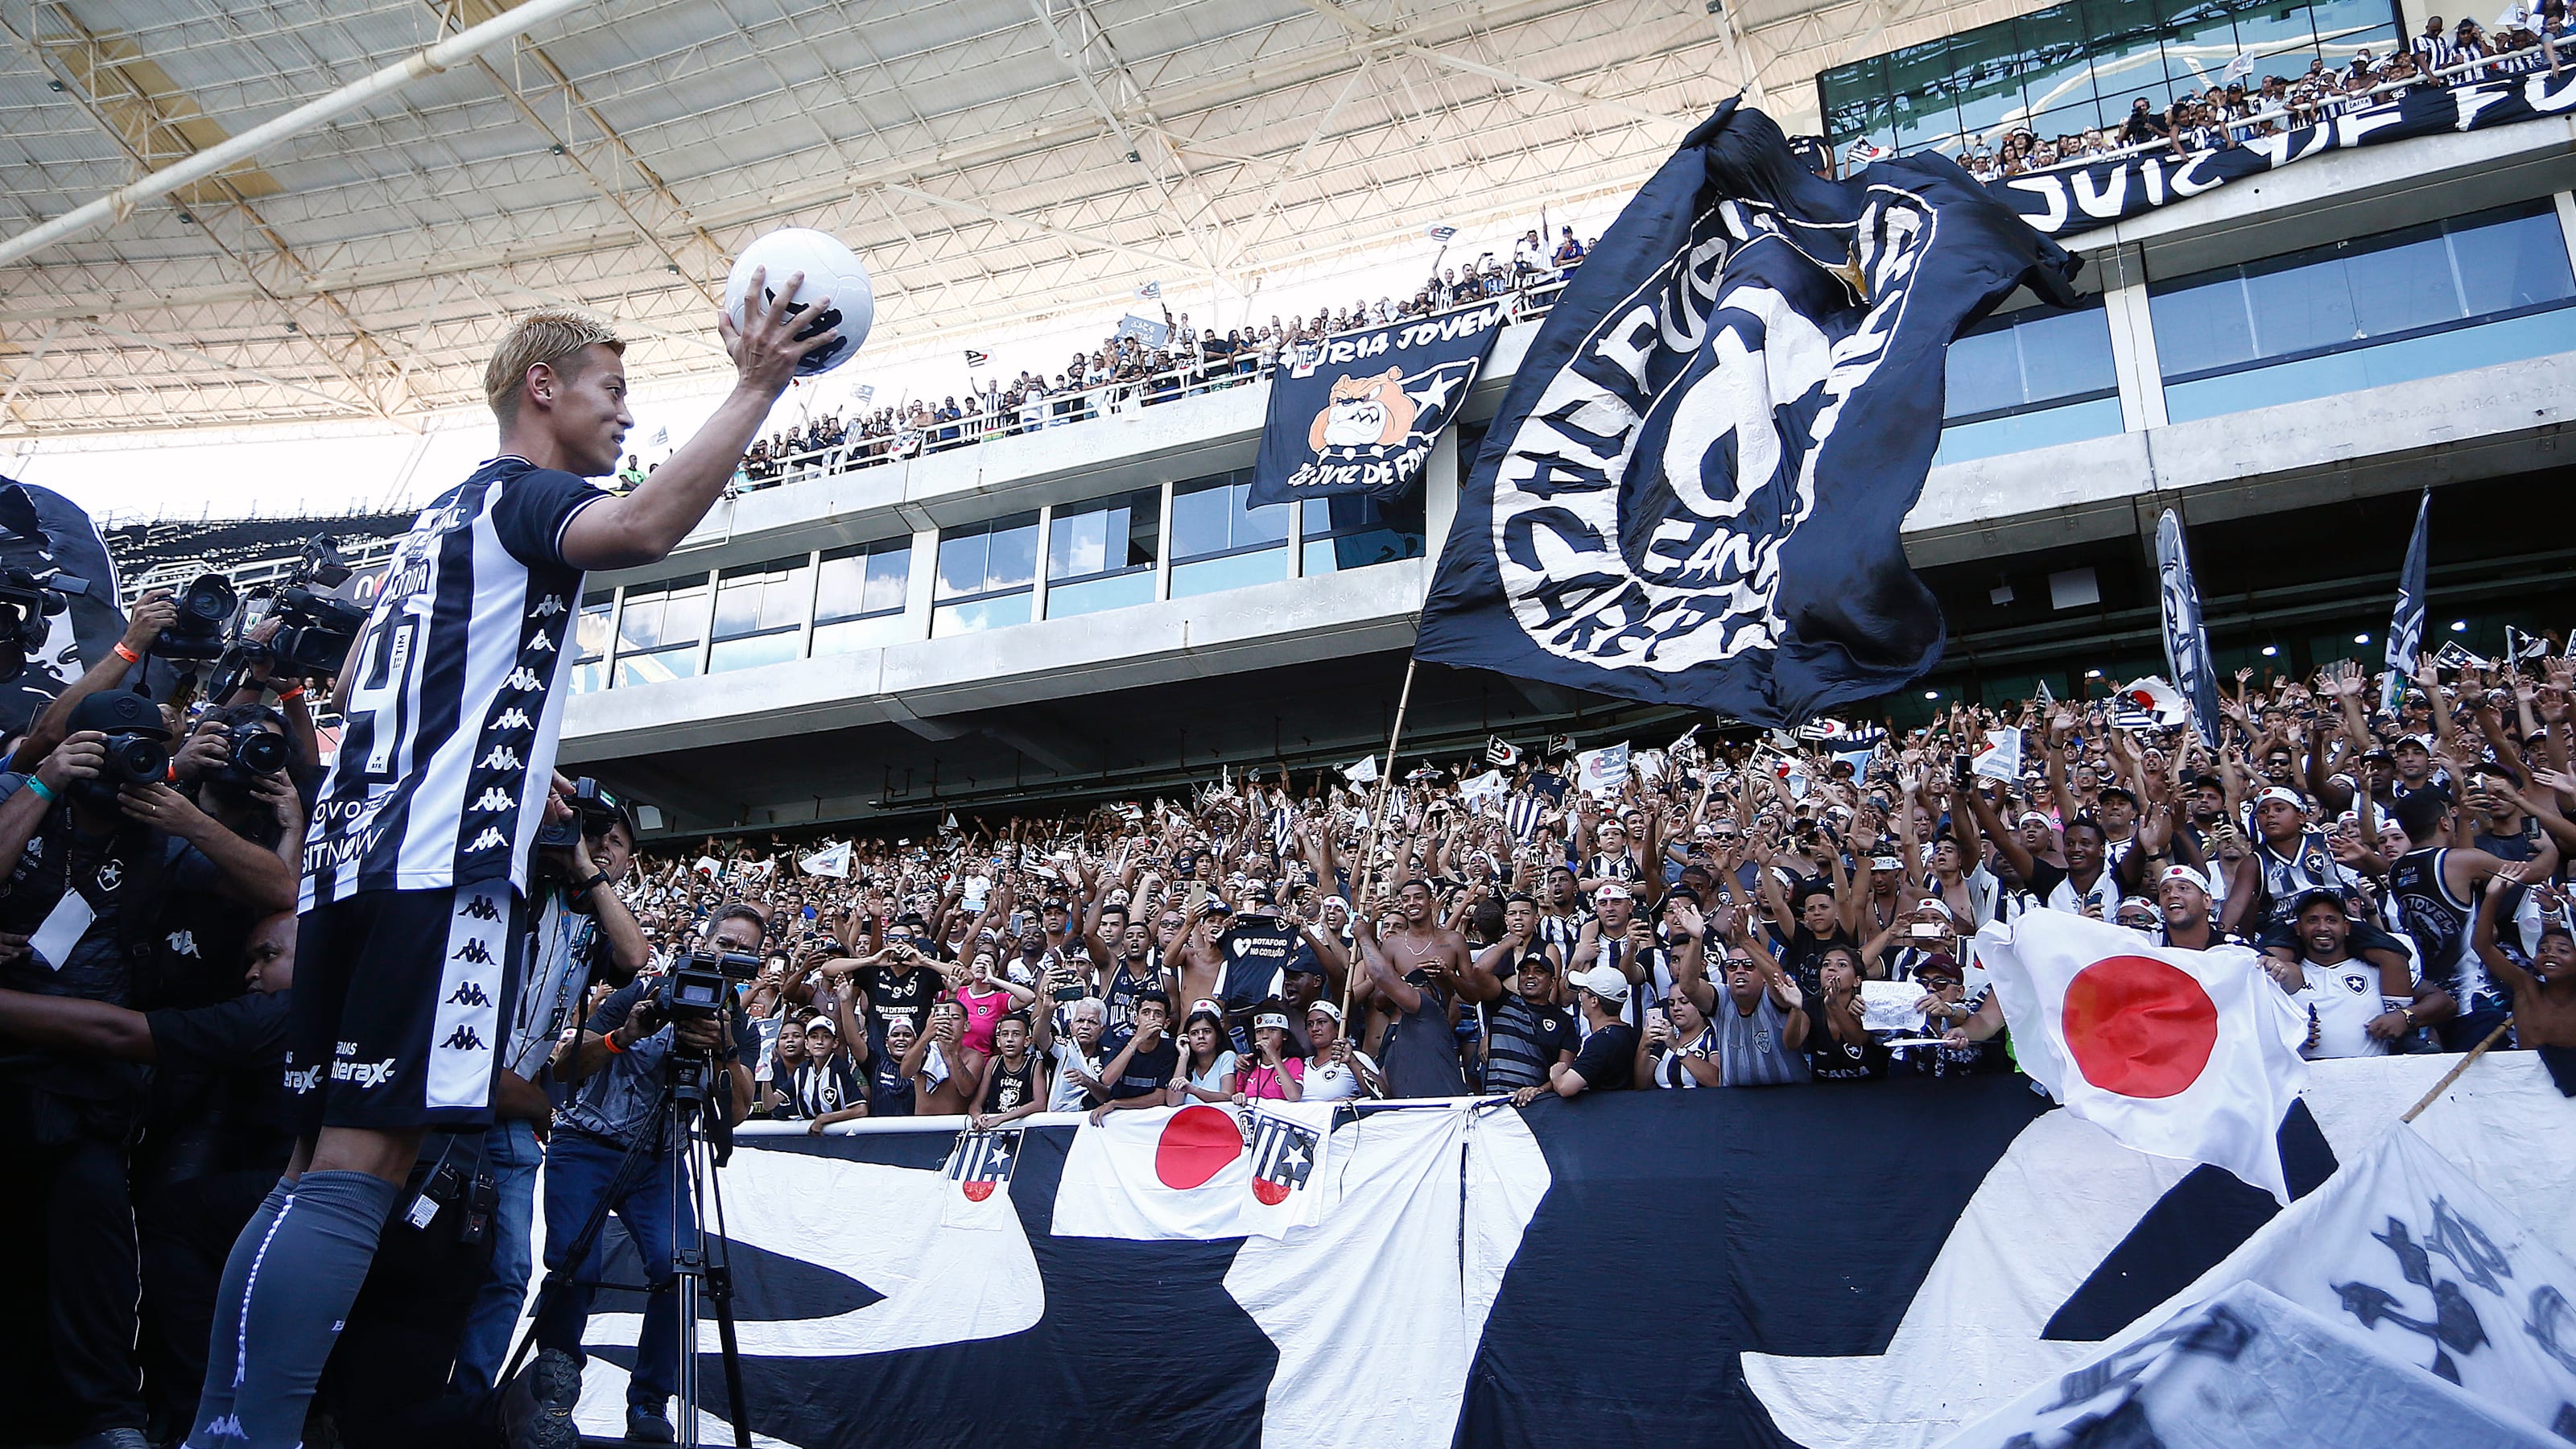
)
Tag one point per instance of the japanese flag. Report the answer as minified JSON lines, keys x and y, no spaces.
{"x":2188,"y":1054}
{"x":1197,"y":1172}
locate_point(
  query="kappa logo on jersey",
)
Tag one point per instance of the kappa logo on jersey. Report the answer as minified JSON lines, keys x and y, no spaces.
{"x":474,"y":952}
{"x":468,"y":993}
{"x":1283,"y":1157}
{"x":982,"y":1162}
{"x":513,"y":718}
{"x":539,"y":644}
{"x":490,"y":839}
{"x":227,"y":1427}
{"x":364,"y":1074}
{"x":479,"y":908}
{"x":493,"y":799}
{"x":522,"y":679}
{"x":462,"y":1039}
{"x":501,"y":758}
{"x":182,"y":943}
{"x":549,"y":606}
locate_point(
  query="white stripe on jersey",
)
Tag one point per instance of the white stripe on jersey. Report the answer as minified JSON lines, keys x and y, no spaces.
{"x":457,"y":704}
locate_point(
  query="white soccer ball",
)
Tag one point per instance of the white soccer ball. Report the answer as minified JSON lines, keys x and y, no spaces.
{"x":831,"y":271}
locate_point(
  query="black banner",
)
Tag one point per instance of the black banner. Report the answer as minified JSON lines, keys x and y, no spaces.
{"x":42,"y":532}
{"x":1361,"y":413}
{"x":1692,"y":492}
{"x":2080,"y":198}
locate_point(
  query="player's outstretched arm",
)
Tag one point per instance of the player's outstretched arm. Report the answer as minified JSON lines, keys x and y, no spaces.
{"x":645,"y":525}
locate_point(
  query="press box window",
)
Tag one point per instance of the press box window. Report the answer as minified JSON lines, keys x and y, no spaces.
{"x":986,"y":573}
{"x":1221,"y":542}
{"x":859,"y":596}
{"x":660,"y":630}
{"x":590,"y":643}
{"x":759,"y":609}
{"x":1353,"y":531}
{"x":1100,"y":555}
{"x":2029,"y":379}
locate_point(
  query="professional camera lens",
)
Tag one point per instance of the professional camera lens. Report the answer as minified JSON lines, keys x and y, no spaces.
{"x":136,"y":759}
{"x":198,"y":633}
{"x":259,"y":752}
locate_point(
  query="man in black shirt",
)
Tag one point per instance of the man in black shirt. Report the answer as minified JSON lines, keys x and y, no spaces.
{"x":1526,"y":1032}
{"x":1608,"y":1061}
{"x":1141,"y":1065}
{"x":217,"y":1164}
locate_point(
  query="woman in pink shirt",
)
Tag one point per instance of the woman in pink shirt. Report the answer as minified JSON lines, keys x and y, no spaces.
{"x":1279,"y":1074}
{"x":986,"y":997}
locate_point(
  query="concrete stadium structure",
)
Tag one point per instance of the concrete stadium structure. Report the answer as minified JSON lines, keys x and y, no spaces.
{"x":716,"y":688}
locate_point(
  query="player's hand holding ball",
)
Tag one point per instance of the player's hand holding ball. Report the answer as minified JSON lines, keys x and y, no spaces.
{"x":797,"y":304}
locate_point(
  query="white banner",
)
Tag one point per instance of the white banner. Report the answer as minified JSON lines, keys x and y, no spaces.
{"x":1196,"y":1172}
{"x":1602,"y":771}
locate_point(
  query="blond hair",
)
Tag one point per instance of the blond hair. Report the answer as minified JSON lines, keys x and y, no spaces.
{"x":555,"y":336}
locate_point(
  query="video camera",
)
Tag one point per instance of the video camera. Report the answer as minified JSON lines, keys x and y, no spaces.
{"x":593,"y":809}
{"x":314,"y":630}
{"x":700,"y":983}
{"x":27,"y":599}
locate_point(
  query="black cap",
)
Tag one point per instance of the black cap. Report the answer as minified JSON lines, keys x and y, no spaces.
{"x":116,"y":710}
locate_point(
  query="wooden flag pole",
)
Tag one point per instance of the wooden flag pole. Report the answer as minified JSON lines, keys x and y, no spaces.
{"x":1377,"y":828}
{"x":2453,"y":1074}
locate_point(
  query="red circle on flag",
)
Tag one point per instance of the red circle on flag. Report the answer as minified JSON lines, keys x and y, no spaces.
{"x":2139,"y":1026}
{"x":1196,"y":1145}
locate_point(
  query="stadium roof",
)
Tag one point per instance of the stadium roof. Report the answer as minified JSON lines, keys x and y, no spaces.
{"x":995,"y":161}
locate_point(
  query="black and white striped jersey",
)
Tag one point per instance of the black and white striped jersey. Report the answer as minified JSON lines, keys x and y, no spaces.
{"x":457,"y":702}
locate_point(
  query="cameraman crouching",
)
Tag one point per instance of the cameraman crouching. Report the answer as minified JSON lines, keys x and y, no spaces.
{"x":619,"y":1065}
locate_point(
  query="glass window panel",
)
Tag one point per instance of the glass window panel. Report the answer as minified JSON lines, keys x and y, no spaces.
{"x":590,"y":631}
{"x":1013,"y":563}
{"x":1923,"y":121}
{"x":950,"y":620}
{"x":2403,"y":287}
{"x":1917,"y":69}
{"x":2348,"y":20}
{"x":2512,"y":340}
{"x":665,"y":614}
{"x":1199,"y":521}
{"x":2201,"y":43}
{"x":2519,"y":262}
{"x":1078,"y":544}
{"x":1115,"y":591}
{"x":1234,"y":571}
{"x":851,"y":635}
{"x":589,"y":676}
{"x":962,"y":559}
{"x":2339,"y":46}
{"x":1258,"y":525}
{"x":2021,"y":432}
{"x":2299,"y":307}
{"x":1982,"y":373}
{"x":2201,"y":326}
{"x":889,"y":579}
{"x":2116,"y":27}
{"x":2065,"y":352}
{"x":2281,"y":35}
{"x":753,"y":652}
{"x":634,"y":670}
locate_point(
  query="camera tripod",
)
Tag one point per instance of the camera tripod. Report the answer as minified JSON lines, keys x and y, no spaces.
{"x":687,"y":1130}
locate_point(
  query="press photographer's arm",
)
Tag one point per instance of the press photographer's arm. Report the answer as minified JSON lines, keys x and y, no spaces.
{"x":153,"y":613}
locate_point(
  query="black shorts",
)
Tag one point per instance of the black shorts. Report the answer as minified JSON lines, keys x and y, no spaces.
{"x":400,"y":1001}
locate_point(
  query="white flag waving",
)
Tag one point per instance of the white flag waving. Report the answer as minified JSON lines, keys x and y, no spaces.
{"x":1999,"y":758}
{"x":1363,"y":773}
{"x":831,"y":860}
{"x":1196,"y":1172}
{"x":1602,"y":771}
{"x":2188,"y":1054}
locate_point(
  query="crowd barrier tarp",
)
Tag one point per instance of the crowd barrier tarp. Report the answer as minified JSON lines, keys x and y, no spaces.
{"x":2249,"y":1367}
{"x":2078,"y":199}
{"x":1868,"y":1265}
{"x":2072,"y":1238}
{"x":2399,"y":1272}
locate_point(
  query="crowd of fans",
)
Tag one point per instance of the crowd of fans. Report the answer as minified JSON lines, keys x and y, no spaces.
{"x":1132,"y":368}
{"x":1740,"y":914}
{"x":2238,"y":111}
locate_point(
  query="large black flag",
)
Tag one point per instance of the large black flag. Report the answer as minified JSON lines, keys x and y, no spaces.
{"x":2195,"y":676}
{"x":50,"y":536}
{"x":1692,"y":492}
{"x":2406,"y":626}
{"x":1361,"y":414}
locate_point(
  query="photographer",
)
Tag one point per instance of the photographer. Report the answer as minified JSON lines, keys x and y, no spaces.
{"x":217,"y":1163}
{"x":92,"y":862}
{"x":579,"y":931}
{"x":618,"y":1067}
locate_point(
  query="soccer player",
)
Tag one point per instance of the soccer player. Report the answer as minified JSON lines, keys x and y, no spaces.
{"x":416,"y":862}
